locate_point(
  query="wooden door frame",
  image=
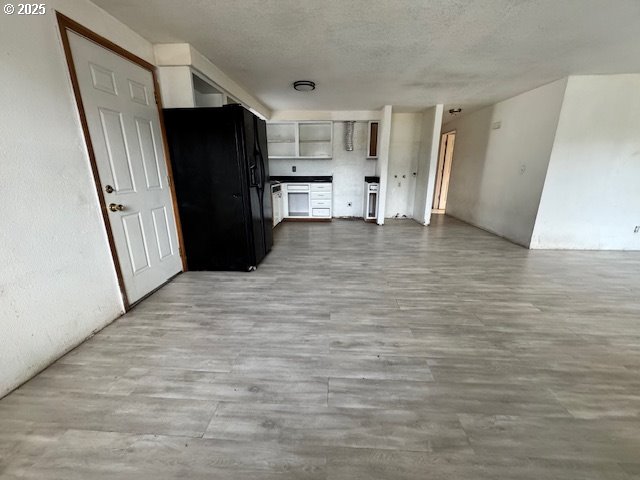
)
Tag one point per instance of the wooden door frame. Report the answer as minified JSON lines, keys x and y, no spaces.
{"x":66,"y":24}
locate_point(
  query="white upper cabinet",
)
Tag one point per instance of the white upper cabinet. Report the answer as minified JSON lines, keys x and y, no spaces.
{"x":316,"y":140}
{"x":282,"y":139}
{"x":313,"y":140}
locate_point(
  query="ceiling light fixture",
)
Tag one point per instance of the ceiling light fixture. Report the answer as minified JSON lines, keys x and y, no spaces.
{"x":455,"y":111}
{"x":304,"y":85}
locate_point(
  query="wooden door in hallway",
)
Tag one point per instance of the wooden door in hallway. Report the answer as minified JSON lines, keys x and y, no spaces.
{"x":444,"y":172}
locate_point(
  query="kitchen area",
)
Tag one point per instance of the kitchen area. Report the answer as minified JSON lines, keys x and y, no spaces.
{"x":237,"y":177}
{"x":240,"y":174}
{"x":321,"y":170}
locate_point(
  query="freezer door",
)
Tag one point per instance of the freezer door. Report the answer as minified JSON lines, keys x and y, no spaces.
{"x":267,"y":212}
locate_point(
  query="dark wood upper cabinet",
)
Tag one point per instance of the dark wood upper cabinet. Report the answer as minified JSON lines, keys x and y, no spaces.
{"x":372,"y":151}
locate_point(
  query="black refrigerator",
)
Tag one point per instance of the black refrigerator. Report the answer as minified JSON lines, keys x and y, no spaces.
{"x":221,"y":173}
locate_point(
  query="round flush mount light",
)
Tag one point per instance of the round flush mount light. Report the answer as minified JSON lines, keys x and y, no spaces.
{"x":455,"y":111}
{"x":304,"y":85}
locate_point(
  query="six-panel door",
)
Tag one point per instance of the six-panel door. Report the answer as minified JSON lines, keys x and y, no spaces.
{"x":119,"y":103}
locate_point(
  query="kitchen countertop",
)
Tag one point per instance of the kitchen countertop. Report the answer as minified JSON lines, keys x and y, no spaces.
{"x":303,"y":179}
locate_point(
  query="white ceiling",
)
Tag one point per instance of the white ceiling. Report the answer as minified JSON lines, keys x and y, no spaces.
{"x":408,"y":53}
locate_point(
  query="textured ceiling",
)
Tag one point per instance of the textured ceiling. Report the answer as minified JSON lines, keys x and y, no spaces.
{"x":408,"y":53}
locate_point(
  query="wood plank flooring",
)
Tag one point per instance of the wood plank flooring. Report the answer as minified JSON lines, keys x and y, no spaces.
{"x":354,"y":352}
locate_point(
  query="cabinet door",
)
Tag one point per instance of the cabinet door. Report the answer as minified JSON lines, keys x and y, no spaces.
{"x":321,"y":187}
{"x":315,"y":139}
{"x":321,"y":212}
{"x":372,"y":144}
{"x":282,"y":139}
{"x":280,"y":207}
{"x":275,"y":205}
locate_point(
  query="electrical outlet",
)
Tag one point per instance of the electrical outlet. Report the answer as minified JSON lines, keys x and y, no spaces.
{"x":637,"y":229}
{"x":293,"y":168}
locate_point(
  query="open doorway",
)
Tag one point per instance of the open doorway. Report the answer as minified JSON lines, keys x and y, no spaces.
{"x":443,"y":173}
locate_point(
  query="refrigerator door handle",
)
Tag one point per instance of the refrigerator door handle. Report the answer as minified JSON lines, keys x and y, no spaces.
{"x":262,"y":175}
{"x":252,"y":176}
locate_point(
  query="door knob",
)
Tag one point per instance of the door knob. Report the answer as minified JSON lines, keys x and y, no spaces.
{"x":109,"y":189}
{"x":116,"y":207}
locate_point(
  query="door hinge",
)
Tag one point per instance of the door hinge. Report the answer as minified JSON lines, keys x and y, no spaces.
{"x":155,"y":95}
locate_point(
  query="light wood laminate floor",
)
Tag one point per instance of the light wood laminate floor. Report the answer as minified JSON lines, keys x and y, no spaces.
{"x":354,"y":352}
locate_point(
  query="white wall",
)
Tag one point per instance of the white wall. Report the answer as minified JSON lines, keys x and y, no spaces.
{"x":591,"y":197}
{"x":348,"y":170}
{"x":57,"y":281}
{"x":497,"y":175}
{"x":176,"y":87}
{"x":403,"y":163}
{"x":382,"y":165}
{"x":427,"y":164}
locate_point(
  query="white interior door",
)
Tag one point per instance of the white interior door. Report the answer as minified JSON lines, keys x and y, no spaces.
{"x":120,"y":107}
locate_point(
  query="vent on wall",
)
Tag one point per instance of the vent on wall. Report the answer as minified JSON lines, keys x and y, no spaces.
{"x":348,"y":135}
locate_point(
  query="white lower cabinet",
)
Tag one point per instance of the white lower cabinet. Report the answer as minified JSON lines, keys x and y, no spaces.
{"x":321,"y":212}
{"x":307,"y":200}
